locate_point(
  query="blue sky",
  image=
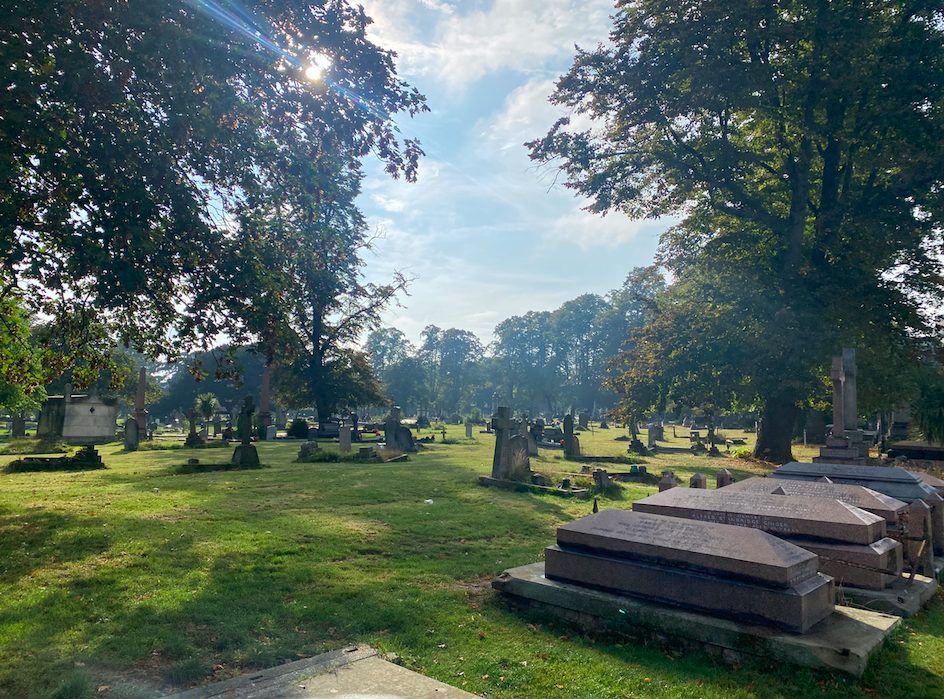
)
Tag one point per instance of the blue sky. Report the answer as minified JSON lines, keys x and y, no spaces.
{"x":485,"y":233}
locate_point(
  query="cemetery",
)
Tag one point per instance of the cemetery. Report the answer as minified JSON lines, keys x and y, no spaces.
{"x":403,"y":349}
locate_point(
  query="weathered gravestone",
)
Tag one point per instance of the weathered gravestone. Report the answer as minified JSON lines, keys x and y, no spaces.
{"x":851,"y":542}
{"x":468,"y":429}
{"x":723,"y":478}
{"x":583,"y":421}
{"x":344,"y":439}
{"x":891,"y":481}
{"x":396,"y":435}
{"x":270,"y":433}
{"x":88,"y":420}
{"x":193,"y":439}
{"x":698,"y":480}
{"x":571,"y":441}
{"x":131,"y":434}
{"x":245,"y":454}
{"x":667,"y":481}
{"x":729,"y":571}
{"x":528,"y":432}
{"x":510,"y":459}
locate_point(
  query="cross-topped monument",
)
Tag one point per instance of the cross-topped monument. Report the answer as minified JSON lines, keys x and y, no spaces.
{"x":846,"y":445}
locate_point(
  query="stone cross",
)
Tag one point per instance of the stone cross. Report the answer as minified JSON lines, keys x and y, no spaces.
{"x":845,"y":409}
{"x":501,"y":460}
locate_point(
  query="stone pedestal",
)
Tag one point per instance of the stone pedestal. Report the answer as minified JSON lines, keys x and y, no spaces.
{"x":246,"y":456}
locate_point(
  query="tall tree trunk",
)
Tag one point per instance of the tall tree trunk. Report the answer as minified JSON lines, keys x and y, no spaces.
{"x":775,"y":431}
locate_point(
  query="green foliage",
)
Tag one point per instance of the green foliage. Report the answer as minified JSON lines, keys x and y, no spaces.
{"x":797,"y":144}
{"x":76,"y":685}
{"x":298,"y":429}
{"x":22,"y":375}
{"x":928,"y":408}
{"x":205,"y":405}
{"x":145,"y":147}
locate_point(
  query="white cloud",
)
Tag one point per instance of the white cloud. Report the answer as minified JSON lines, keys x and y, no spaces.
{"x":518,"y":35}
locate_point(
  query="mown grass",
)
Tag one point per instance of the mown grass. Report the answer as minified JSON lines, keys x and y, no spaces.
{"x":133,"y":580}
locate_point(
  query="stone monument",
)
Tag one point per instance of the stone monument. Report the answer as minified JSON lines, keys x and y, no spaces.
{"x":265,"y":417}
{"x":571,"y":441}
{"x":245,"y":454}
{"x":510,"y":460}
{"x":468,"y":429}
{"x":846,"y":444}
{"x":344,"y":438}
{"x":140,"y":412}
{"x":396,"y":435}
{"x":193,"y":439}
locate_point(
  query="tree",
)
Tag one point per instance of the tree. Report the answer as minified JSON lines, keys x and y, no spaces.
{"x":137,"y":134}
{"x":576,"y":346}
{"x":405,"y":383}
{"x":385,"y":347}
{"x":21,"y":371}
{"x":799,"y":143}
{"x":206,"y":405}
{"x":530,"y":367}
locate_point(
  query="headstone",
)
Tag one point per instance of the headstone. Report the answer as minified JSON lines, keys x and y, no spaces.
{"x":602,"y":479}
{"x":18,"y":425}
{"x":723,"y":478}
{"x":917,"y":538}
{"x":344,"y":438}
{"x":193,"y":439}
{"x":217,"y":425}
{"x":583,"y":420}
{"x":397,"y":436}
{"x":734,"y":572}
{"x":131,"y":434}
{"x":270,"y":433}
{"x":667,"y":481}
{"x":510,"y":459}
{"x":204,"y":433}
{"x":468,"y":429}
{"x":571,"y":442}
{"x":245,"y":454}
{"x":698,"y":481}
{"x":528,"y":433}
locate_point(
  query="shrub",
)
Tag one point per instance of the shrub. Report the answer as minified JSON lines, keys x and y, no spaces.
{"x":298,"y":429}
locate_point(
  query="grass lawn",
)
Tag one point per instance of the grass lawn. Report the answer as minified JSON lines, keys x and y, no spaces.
{"x":131,"y":581}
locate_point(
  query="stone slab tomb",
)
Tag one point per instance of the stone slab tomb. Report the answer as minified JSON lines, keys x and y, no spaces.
{"x":853,"y":542}
{"x":732,"y":572}
{"x":891,"y":481}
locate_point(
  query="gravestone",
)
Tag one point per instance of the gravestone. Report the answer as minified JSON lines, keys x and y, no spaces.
{"x":468,"y":429}
{"x":583,"y":421}
{"x":204,"y":433}
{"x":667,"y":481}
{"x":723,"y":478}
{"x":733,"y":572}
{"x":528,"y":433}
{"x":917,"y":538}
{"x":571,"y":441}
{"x":270,"y":433}
{"x":698,"y":481}
{"x":193,"y":439}
{"x":396,"y":435}
{"x":245,"y":454}
{"x":131,"y":434}
{"x":217,"y":425}
{"x":510,"y":459}
{"x":18,"y":425}
{"x":344,"y":439}
{"x":602,"y":479}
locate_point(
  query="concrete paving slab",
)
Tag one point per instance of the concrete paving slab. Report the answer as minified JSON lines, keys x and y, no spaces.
{"x":351,"y":673}
{"x":904,"y":598}
{"x":843,"y":641}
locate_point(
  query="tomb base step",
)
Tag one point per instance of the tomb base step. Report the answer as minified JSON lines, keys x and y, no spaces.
{"x":843,"y":641}
{"x":901,"y":599}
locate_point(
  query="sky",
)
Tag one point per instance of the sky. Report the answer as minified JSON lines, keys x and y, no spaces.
{"x":485,"y":233}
